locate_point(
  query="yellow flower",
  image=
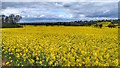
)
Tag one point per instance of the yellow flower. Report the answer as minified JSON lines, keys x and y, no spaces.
{"x":37,"y":58}
{"x":95,"y":54}
{"x":17,"y":55}
{"x":32,"y":60}
{"x":7,"y":63}
{"x":40,"y":62}
{"x":23,"y":55}
{"x":18,"y":64}
{"x":50,"y":62}
{"x":11,"y":60}
{"x":22,"y":65}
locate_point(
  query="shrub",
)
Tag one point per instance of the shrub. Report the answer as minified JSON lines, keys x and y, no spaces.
{"x":111,"y":26}
{"x":100,"y":25}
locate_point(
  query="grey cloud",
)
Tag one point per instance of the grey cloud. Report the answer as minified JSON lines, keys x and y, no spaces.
{"x":94,"y":9}
{"x":76,"y":10}
{"x":60,"y":0}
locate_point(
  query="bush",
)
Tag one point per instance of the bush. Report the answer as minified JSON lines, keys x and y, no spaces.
{"x":111,"y":26}
{"x":100,"y":25}
{"x":96,"y":25}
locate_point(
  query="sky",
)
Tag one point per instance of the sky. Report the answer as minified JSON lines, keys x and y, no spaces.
{"x":60,"y":0}
{"x":61,"y":11}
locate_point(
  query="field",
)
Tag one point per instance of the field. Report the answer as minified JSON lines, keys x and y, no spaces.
{"x":60,"y":46}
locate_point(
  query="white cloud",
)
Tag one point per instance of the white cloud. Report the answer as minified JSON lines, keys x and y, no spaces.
{"x":58,"y":4}
{"x":70,"y":16}
{"x":23,"y":16}
{"x":42,"y":15}
{"x":61,"y":16}
{"x":82,"y":15}
{"x":106,"y":11}
{"x":9,"y":11}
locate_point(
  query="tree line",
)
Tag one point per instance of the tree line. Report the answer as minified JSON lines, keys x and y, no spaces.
{"x":76,"y":23}
{"x":11,"y":18}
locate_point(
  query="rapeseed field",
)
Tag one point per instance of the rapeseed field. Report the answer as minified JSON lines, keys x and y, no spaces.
{"x":60,"y":46}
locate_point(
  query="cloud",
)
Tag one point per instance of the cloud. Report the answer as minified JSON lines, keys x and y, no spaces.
{"x":62,"y":10}
{"x":94,"y":9}
{"x":42,"y":15}
{"x":60,"y":0}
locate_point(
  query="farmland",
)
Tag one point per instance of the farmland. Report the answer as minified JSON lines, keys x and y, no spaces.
{"x":60,"y":46}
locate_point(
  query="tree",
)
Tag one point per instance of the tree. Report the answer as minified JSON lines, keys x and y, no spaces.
{"x":96,"y":25}
{"x":3,"y":18}
{"x":100,"y":25}
{"x":14,"y":19}
{"x":11,"y":18}
{"x":17,"y":18}
{"x":111,"y":25}
{"x":6,"y":19}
